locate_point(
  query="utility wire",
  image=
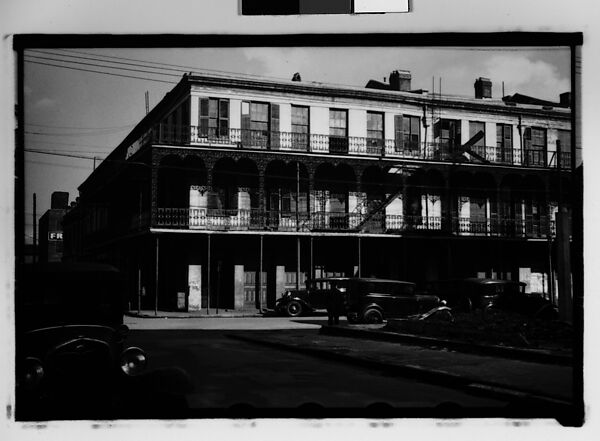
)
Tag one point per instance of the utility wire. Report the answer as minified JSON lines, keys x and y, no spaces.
{"x":81,"y":128}
{"x":28,"y":57}
{"x":186,"y":68}
{"x":101,"y":72}
{"x":108,"y":61}
{"x":27,"y":132}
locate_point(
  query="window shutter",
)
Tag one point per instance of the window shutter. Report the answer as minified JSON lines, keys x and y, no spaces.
{"x":224,"y":118}
{"x":203,"y":117}
{"x":527,"y":138}
{"x":274,"y":126}
{"x":246,"y":135}
{"x":399,"y":133}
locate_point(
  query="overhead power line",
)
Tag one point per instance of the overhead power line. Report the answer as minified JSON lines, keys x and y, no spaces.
{"x":27,"y":132}
{"x":80,"y":128}
{"x":104,"y":60}
{"x":186,"y":68}
{"x":83,"y":63}
{"x":101,"y":72}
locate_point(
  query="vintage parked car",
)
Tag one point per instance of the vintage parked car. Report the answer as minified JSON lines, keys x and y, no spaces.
{"x":72,"y":361}
{"x":370,"y":300}
{"x":295,"y":303}
{"x":473,"y":293}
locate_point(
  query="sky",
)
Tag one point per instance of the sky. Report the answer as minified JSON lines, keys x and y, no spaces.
{"x":70,"y":111}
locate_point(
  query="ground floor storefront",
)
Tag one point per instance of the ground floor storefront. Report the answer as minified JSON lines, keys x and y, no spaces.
{"x":242,"y":272}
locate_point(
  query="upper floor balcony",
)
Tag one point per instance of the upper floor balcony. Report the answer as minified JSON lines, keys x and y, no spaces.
{"x":528,"y":227}
{"x":439,"y":150}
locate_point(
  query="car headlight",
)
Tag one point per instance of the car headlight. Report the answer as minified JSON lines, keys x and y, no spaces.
{"x":133,"y":361}
{"x":32,"y":373}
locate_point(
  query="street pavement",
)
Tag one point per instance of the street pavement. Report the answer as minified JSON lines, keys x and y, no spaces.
{"x":228,"y":373}
{"x":534,"y":385}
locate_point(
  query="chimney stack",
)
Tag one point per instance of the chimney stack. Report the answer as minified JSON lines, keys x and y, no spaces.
{"x":565,"y":99}
{"x":483,"y":88}
{"x":400,"y":80}
{"x":59,"y":199}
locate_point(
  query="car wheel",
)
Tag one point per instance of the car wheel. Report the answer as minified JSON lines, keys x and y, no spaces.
{"x":294,"y":308}
{"x":372,"y":316}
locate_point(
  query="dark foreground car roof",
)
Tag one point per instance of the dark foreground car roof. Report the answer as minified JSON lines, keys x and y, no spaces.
{"x":491,"y":281}
{"x":53,"y":294}
{"x":373,"y":279}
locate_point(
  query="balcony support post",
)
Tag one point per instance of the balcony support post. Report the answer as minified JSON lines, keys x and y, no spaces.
{"x":447,"y":206}
{"x":156,"y":277}
{"x":208,"y":274}
{"x":359,"y":256}
{"x":297,"y":226}
{"x":261,"y":194}
{"x":260,"y":274}
{"x":154,"y":190}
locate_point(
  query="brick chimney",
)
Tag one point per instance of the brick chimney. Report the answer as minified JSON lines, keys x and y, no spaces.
{"x":400,"y":80}
{"x":565,"y":99}
{"x":483,"y":88}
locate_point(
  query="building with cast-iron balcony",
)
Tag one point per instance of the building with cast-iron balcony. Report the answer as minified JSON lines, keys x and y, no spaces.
{"x":234,"y":189}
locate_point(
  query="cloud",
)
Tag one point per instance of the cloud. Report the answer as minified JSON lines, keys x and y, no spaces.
{"x":44,"y":104}
{"x":520,"y":74}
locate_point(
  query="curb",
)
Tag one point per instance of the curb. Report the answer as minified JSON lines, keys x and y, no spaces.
{"x":537,"y":355}
{"x":177,"y":317}
{"x":490,"y":389}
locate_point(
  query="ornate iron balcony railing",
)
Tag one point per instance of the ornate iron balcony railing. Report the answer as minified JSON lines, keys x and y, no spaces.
{"x":327,"y":221}
{"x":353,"y":145}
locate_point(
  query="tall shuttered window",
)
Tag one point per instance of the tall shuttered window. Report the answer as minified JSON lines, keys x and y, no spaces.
{"x":406,"y":130}
{"x":504,"y":143}
{"x":300,"y":127}
{"x":338,"y":131}
{"x":535,"y":146}
{"x":474,"y":128}
{"x":214,"y":118}
{"x":374,"y":130}
{"x":260,"y":125}
{"x":564,"y":137}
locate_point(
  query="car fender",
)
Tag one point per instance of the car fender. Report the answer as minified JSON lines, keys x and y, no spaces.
{"x":301,"y":301}
{"x":371,"y":306}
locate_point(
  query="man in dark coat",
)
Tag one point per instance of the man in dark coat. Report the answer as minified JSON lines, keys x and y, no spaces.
{"x":335,"y":304}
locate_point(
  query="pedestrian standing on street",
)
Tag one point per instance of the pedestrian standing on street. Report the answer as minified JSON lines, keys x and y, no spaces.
{"x":335,"y":302}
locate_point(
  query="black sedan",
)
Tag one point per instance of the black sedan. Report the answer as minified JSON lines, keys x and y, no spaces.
{"x":295,"y":303}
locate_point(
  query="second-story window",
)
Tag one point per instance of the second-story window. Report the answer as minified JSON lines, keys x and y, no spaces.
{"x":214,"y":118}
{"x":447,"y":133}
{"x":564,"y":137}
{"x":338,"y":131}
{"x":406,"y":132}
{"x":504,"y":143}
{"x":300,"y":127}
{"x":474,"y":128}
{"x":535,"y":146}
{"x":260,"y":125}
{"x":374,"y":131}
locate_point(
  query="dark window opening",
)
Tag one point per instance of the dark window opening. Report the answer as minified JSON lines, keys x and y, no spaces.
{"x":214,"y":118}
{"x":338,"y":131}
{"x":300,"y":127}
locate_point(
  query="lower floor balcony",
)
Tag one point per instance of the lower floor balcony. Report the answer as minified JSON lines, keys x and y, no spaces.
{"x":353,"y":223}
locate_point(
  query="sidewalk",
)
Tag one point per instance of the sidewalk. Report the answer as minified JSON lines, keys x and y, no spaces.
{"x":526,"y":381}
{"x":210,"y":313}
